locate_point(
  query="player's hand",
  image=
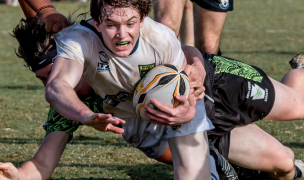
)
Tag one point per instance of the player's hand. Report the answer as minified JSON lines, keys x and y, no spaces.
{"x":8,"y":171}
{"x":53,"y":20}
{"x":103,"y":122}
{"x":164,"y":115}
{"x":196,"y":76}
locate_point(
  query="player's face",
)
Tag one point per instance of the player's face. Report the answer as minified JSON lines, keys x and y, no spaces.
{"x":120,"y":29}
{"x":44,"y":73}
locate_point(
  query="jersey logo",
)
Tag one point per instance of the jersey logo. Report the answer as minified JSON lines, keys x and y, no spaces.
{"x":103,"y":64}
{"x":257,"y":92}
{"x":224,"y":4}
{"x":114,"y":100}
{"x":143,"y":69}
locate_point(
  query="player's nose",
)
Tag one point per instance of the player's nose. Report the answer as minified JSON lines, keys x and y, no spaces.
{"x":121,"y":32}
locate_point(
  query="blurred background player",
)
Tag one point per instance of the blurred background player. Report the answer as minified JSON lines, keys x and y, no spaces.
{"x":209,"y":19}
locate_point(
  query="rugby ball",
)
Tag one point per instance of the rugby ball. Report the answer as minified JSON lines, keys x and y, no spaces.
{"x":161,"y":83}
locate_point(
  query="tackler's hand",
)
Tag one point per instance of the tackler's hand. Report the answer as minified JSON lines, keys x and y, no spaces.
{"x":183,"y":113}
{"x":53,"y":20}
{"x":8,"y":171}
{"x":196,"y":76}
{"x":104,"y":122}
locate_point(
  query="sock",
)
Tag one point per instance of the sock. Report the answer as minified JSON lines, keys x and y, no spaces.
{"x":298,"y":173}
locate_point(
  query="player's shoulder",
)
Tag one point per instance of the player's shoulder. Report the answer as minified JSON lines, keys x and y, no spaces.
{"x":75,"y":32}
{"x":158,"y":35}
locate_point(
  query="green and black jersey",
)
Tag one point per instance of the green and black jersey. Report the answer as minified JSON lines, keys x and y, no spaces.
{"x":56,"y":122}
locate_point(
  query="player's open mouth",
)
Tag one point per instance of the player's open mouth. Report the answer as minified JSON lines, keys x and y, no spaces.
{"x":122,"y":44}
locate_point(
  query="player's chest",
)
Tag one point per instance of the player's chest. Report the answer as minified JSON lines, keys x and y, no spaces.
{"x":119,"y":74}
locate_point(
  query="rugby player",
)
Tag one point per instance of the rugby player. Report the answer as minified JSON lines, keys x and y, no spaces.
{"x":46,"y":150}
{"x":270,"y":140}
{"x":121,"y":121}
{"x":112,"y":52}
{"x":254,"y":100}
{"x":32,"y":38}
{"x":118,"y":38}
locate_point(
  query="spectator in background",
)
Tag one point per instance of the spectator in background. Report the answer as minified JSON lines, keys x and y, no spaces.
{"x":12,"y":2}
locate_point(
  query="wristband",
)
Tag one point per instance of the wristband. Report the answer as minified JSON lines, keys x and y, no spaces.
{"x":44,"y":7}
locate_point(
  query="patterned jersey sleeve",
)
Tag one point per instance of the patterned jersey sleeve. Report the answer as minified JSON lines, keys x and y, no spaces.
{"x":56,"y":122}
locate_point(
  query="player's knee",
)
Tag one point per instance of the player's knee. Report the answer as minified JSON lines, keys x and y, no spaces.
{"x":284,"y":164}
{"x":290,"y":152}
{"x":208,"y":46}
{"x":172,"y":23}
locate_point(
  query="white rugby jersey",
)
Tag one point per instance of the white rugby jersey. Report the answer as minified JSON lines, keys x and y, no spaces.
{"x":112,"y":77}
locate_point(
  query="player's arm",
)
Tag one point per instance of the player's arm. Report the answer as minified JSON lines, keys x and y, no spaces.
{"x":27,"y":10}
{"x":194,"y":67}
{"x":53,"y":20}
{"x":60,"y":93}
{"x":42,"y":165}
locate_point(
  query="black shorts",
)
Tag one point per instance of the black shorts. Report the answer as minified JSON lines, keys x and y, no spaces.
{"x":236,"y":93}
{"x":215,"y":5}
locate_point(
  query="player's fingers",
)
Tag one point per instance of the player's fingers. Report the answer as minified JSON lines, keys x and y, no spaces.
{"x":65,"y":23}
{"x":197,"y":87}
{"x":192,"y":100}
{"x":114,"y":120}
{"x":160,"y":106}
{"x":187,"y":69}
{"x":151,"y":113}
{"x":196,"y":84}
{"x":56,"y":27}
{"x":157,"y":120}
{"x":49,"y":25}
{"x":181,"y":99}
{"x":5,"y":166}
{"x":201,"y":96}
{"x":108,"y":118}
{"x":115,"y":129}
{"x":199,"y":91}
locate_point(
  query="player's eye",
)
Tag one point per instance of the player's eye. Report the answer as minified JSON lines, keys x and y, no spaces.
{"x":130,"y":24}
{"x":110,"y":25}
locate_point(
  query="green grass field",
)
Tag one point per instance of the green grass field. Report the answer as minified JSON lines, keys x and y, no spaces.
{"x":263,"y":33}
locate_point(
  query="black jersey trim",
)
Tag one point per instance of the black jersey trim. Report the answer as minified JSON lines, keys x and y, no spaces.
{"x":87,"y":25}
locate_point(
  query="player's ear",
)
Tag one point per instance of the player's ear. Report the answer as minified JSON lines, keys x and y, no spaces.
{"x":142,"y":21}
{"x":97,"y":25}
